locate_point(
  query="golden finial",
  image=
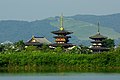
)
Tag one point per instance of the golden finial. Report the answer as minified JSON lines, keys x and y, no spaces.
{"x":61,"y":22}
{"x":61,"y":28}
{"x":33,"y":36}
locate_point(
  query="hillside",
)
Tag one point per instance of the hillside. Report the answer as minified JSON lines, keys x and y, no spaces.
{"x":111,"y":21}
{"x":23,"y":30}
{"x":83,"y":26}
{"x":83,"y":30}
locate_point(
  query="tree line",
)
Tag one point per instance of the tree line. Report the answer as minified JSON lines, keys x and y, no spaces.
{"x":16,"y":58}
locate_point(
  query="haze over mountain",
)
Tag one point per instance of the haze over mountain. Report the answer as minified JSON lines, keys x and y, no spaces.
{"x":83,"y":26}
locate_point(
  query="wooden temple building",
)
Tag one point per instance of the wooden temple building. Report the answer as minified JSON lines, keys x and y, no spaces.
{"x":61,"y":38}
{"x":97,"y":45}
{"x":37,"y":41}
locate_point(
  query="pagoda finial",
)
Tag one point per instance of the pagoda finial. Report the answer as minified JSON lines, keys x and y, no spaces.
{"x":61,"y":22}
{"x":33,"y":36}
{"x":99,"y":27}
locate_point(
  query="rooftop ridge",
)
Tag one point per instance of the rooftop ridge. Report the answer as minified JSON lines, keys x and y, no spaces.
{"x":38,"y":37}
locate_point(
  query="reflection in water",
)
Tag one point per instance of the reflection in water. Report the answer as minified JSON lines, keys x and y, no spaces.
{"x":61,"y":76}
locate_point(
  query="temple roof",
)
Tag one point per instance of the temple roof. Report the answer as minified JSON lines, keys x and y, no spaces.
{"x":98,"y":36}
{"x":40,"y":40}
{"x":33,"y":43}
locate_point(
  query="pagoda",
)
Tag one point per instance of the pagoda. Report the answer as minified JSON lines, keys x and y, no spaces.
{"x":97,"y":42}
{"x":62,"y":38}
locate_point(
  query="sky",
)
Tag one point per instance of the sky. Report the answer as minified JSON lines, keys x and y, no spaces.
{"x":31,"y":10}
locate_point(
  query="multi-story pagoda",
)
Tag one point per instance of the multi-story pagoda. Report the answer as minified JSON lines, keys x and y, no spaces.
{"x":62,"y":39}
{"x":97,"y":45}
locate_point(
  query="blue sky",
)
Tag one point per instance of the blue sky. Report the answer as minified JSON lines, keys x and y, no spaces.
{"x":40,"y":9}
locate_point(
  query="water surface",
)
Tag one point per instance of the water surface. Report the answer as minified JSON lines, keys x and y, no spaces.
{"x":61,"y":76}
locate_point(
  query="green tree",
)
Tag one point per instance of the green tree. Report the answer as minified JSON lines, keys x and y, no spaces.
{"x":2,"y":48}
{"x":7,"y":46}
{"x":19,"y":45}
{"x":59,"y":49}
{"x":109,"y":43}
{"x":31,"y":48}
{"x":84,"y":49}
{"x":75,"y":50}
{"x":45,"y":48}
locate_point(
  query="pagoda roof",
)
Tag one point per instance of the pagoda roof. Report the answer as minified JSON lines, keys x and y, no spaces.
{"x":61,"y":32}
{"x":98,"y":36}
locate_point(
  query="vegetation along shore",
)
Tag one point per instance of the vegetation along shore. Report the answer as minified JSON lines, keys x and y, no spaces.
{"x":44,"y":59}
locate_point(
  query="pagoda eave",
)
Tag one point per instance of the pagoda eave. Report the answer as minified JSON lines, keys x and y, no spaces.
{"x":97,"y":38}
{"x":62,"y":36}
{"x":96,"y":41}
{"x":62,"y":44}
{"x":99,"y":48}
{"x":61,"y":32}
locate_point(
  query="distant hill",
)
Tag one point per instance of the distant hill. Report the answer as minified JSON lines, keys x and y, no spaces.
{"x":111,"y":21}
{"x":83,"y":30}
{"x":83,"y":26}
{"x":13,"y":30}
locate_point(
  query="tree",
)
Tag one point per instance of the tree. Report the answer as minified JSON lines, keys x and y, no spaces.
{"x":31,"y":48}
{"x":45,"y":48}
{"x":75,"y":50}
{"x":59,"y":49}
{"x":109,"y":43}
{"x":84,"y":49}
{"x":2,"y":48}
{"x":19,"y":45}
{"x":7,"y":46}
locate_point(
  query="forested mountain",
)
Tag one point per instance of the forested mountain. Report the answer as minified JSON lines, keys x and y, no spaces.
{"x":83,"y":26}
{"x":111,"y":21}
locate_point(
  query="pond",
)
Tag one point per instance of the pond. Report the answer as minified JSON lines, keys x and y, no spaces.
{"x":61,"y":76}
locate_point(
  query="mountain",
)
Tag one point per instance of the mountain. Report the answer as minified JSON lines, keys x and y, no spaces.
{"x":13,"y":30}
{"x":111,"y":21}
{"x":83,"y":27}
{"x":83,"y":30}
